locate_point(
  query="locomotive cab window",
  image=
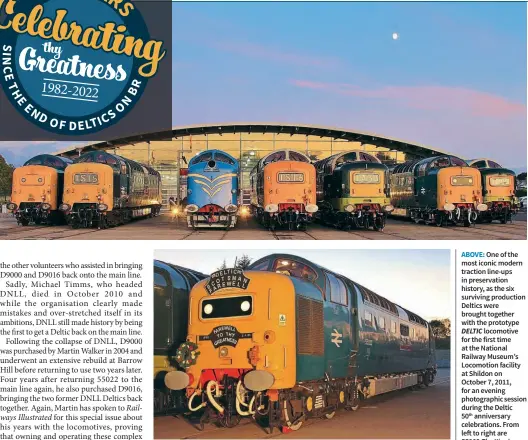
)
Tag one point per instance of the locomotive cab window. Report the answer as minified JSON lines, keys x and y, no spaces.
{"x":493,"y":164}
{"x":263,"y":266}
{"x":297,"y":157}
{"x":294,"y":269}
{"x":441,"y":162}
{"x":346,"y":158}
{"x":224,"y":159}
{"x":368,"y":158}
{"x":275,"y":157}
{"x":393,"y":327}
{"x":456,"y":162}
{"x":230,"y":307}
{"x":368,"y":319}
{"x":206,"y":157}
{"x":404,"y":330}
{"x":479,"y":164}
{"x":338,"y":291}
{"x":381,"y":322}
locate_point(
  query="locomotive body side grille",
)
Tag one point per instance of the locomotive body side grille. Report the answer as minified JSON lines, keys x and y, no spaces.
{"x":310,"y":325}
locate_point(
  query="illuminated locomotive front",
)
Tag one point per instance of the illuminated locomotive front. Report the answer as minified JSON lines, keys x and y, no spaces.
{"x":438,"y":190}
{"x":283,"y":190}
{"x":37,"y":190}
{"x":212,"y":187}
{"x":288,"y":340}
{"x":498,"y":189}
{"x":353,"y":191}
{"x":103,"y":189}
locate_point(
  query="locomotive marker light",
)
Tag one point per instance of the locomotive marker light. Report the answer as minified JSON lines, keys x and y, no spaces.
{"x":258,"y":380}
{"x":177,"y":380}
{"x":449,"y":207}
{"x":191,"y":208}
{"x":231,"y":208}
{"x":271,"y":208}
{"x":45,"y":206}
{"x":312,"y":208}
{"x":244,"y":211}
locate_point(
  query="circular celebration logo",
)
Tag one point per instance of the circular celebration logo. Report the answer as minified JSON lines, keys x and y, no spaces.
{"x":75,"y":67}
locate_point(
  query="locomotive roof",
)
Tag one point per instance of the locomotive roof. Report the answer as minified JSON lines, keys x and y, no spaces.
{"x":279,"y":155}
{"x":490,"y":167}
{"x":486,"y":171}
{"x":183,"y":270}
{"x":367,"y":294}
{"x":113,"y":160}
{"x":49,"y":160}
{"x":217,"y":155}
{"x":413,"y":317}
{"x":488,"y":163}
{"x":352,"y":154}
{"x":410,"y":166}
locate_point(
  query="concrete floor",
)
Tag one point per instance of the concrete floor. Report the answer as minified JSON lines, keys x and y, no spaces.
{"x":167,"y":228}
{"x":405,"y":414}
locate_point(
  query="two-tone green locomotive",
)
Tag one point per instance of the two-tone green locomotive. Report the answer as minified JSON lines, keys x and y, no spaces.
{"x":438,"y":190}
{"x":353,"y":191}
{"x":498,"y":189}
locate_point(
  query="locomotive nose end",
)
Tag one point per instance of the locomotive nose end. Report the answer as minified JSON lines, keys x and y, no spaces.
{"x":258,"y":380}
{"x":177,"y":380}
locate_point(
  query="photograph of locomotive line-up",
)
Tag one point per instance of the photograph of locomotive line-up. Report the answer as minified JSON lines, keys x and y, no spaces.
{"x":308,"y":343}
{"x":291,"y":123}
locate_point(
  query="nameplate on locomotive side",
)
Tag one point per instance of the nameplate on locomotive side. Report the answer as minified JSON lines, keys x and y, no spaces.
{"x":225,"y":335}
{"x":222,"y":279}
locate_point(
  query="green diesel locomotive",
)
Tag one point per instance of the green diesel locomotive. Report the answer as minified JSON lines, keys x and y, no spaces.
{"x":498,"y":189}
{"x":439,"y":190}
{"x":353,"y":191}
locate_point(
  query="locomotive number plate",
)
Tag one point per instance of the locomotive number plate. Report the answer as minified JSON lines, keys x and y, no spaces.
{"x":291,"y":177}
{"x":500,"y":181}
{"x":89,"y":178}
{"x":366,"y":178}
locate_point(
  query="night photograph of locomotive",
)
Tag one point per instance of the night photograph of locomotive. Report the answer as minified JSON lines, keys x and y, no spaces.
{"x":267,"y":342}
{"x":280,"y":132}
{"x":347,"y":191}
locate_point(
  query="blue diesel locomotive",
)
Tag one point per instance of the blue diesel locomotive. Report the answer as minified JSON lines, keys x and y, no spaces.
{"x":212,"y":188}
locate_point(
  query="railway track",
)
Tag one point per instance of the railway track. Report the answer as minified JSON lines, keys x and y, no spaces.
{"x":291,"y":235}
{"x":44,"y":234}
{"x":162,"y":228}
